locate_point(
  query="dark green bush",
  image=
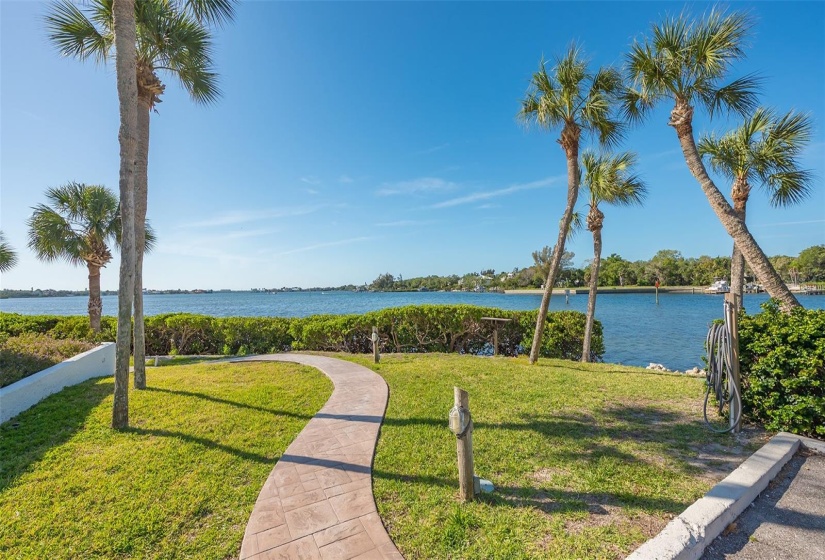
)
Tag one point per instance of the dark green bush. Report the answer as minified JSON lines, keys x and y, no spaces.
{"x":28,"y":353}
{"x":73,"y":327}
{"x":782,"y":359}
{"x":254,"y":335}
{"x":563,"y":337}
{"x":415,"y":328}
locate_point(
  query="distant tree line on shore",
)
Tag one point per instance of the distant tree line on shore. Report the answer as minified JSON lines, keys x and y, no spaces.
{"x":668,"y":266}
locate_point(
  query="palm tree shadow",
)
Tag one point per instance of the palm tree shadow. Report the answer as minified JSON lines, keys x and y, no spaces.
{"x":27,"y":437}
{"x":246,"y":455}
{"x":218,"y":400}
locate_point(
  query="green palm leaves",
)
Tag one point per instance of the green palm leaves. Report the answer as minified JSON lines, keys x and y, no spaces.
{"x":765,"y":149}
{"x":688,"y":61}
{"x":571,"y":96}
{"x":8,"y":256}
{"x":610,"y":178}
{"x":167,"y":39}
{"x":77,"y":226}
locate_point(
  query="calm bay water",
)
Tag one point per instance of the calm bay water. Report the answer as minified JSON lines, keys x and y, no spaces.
{"x":636,"y":330}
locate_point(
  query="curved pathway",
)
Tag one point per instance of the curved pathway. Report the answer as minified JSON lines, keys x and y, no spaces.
{"x":317,"y":501}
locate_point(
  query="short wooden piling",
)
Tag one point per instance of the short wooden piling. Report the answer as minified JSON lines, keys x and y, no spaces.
{"x":464,"y":447}
{"x":376,"y":357}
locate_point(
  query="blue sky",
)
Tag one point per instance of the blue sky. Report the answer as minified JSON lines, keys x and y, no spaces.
{"x":354,"y":139}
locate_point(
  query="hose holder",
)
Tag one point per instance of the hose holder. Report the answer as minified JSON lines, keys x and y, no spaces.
{"x":460,"y":421}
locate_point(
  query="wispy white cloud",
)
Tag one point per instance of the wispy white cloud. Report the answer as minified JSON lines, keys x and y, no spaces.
{"x":324,"y":245}
{"x":488,"y":206}
{"x":311,"y":180}
{"x":405,"y":223}
{"x":802,"y":222}
{"x":663,"y":154}
{"x":203,"y":250}
{"x":246,"y":216}
{"x":346,"y":179}
{"x":486,"y":195}
{"x":33,"y":116}
{"x":247,"y":233}
{"x":424,"y":184}
{"x":311,"y":191}
{"x":432,"y":149}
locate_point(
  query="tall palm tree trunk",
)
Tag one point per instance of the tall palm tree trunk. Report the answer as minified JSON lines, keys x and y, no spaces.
{"x":141,"y":199}
{"x":570,"y":143}
{"x":594,"y":288}
{"x":123,"y":12}
{"x":95,"y":302}
{"x":739,"y":195}
{"x":681,"y":120}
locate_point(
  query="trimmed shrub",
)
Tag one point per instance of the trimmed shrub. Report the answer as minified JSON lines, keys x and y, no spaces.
{"x":27,"y":353}
{"x":414,"y":328}
{"x":782,"y":359}
{"x":254,"y":335}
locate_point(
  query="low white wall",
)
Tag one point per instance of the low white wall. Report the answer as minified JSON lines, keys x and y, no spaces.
{"x":19,"y":396}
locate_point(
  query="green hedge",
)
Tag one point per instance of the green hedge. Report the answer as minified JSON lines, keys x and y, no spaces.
{"x":415,"y":328}
{"x":782,"y":359}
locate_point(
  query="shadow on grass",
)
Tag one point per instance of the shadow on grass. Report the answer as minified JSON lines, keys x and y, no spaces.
{"x":204,"y":442}
{"x":27,"y":437}
{"x":219,"y":400}
{"x":605,"y":433}
{"x":548,"y":500}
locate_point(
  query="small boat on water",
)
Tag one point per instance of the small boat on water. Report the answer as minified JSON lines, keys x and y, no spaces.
{"x":718,"y":287}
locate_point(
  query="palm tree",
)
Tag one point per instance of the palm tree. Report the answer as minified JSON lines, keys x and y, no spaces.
{"x":609,"y":179}
{"x":78,"y":225}
{"x":686,"y":62}
{"x":125,"y":31}
{"x":167,"y":39}
{"x":762,"y":151}
{"x":572,"y":98}
{"x":8,"y":257}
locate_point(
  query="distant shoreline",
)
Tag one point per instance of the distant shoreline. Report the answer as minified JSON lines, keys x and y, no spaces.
{"x":617,"y":290}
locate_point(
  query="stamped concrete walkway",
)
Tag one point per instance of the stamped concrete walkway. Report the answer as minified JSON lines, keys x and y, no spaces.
{"x":317,"y":502}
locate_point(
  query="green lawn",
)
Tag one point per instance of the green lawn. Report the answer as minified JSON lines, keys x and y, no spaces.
{"x":180,"y":483}
{"x":588,"y":460}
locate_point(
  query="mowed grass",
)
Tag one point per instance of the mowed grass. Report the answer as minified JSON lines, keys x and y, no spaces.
{"x":588,"y":461}
{"x":179,"y":483}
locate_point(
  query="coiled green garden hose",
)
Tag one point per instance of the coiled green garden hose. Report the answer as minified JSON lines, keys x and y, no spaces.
{"x":720,"y":368}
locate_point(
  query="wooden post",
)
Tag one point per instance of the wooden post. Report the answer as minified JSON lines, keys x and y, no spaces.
{"x":464,"y":447}
{"x":732,"y":320}
{"x":495,"y":321}
{"x":375,"y":355}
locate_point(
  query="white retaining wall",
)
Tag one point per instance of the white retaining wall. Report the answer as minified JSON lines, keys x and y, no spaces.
{"x":19,"y":396}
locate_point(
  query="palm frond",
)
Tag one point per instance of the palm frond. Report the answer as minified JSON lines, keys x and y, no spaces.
{"x":79,"y":219}
{"x":173,"y":40}
{"x":765,"y":148}
{"x":75,"y":35}
{"x":214,"y":12}
{"x":8,"y":256}
{"x":715,"y":43}
{"x":636,"y":105}
{"x":721,"y":154}
{"x":739,"y":96}
{"x":609,"y":178}
{"x":789,"y":187}
{"x":151,"y":238}
{"x":52,"y":238}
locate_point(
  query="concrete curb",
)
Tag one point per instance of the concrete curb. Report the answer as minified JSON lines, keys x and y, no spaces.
{"x":686,"y":537}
